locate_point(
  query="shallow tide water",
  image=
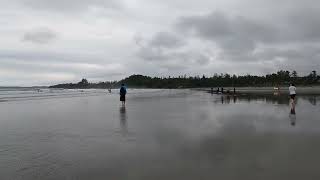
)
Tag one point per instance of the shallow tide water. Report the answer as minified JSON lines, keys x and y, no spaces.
{"x":159,"y":134}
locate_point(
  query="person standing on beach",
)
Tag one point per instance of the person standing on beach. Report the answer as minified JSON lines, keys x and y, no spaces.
{"x":123,"y":92}
{"x":292,"y":92}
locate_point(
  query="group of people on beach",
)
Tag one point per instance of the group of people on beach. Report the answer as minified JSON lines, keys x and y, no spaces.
{"x":292,"y":93}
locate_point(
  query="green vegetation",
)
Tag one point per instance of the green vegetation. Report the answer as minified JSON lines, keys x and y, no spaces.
{"x":218,"y":80}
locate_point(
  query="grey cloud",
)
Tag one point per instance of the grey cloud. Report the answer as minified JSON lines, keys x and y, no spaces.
{"x":292,"y":32}
{"x":295,"y":26}
{"x":75,"y":70}
{"x":49,"y":56}
{"x":303,"y":25}
{"x":166,"y":40}
{"x":180,"y":56}
{"x":174,"y":60}
{"x":210,"y":26}
{"x":71,"y":5}
{"x":159,"y":46}
{"x":202,"y":59}
{"x":40,"y":36}
{"x":63,"y":65}
{"x":239,"y":38}
{"x":234,"y":34}
{"x":302,"y":58}
{"x":247,"y":36}
{"x":303,"y":52}
{"x":152,"y":54}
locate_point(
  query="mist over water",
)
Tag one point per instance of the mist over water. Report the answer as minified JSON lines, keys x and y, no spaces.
{"x":159,"y":134}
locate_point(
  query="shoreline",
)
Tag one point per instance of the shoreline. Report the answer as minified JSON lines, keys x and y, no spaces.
{"x":283,"y":90}
{"x":315,"y":90}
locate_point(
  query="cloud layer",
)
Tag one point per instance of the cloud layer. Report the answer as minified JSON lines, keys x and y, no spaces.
{"x":41,"y":36}
{"x":46,"y":42}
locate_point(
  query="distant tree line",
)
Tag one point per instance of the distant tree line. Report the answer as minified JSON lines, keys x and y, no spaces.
{"x":84,"y":84}
{"x":279,"y":78}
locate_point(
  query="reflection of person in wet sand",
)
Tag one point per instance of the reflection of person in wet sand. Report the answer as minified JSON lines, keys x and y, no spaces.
{"x":228,"y":99}
{"x":292,"y":116}
{"x":123,"y":119}
{"x":234,"y":99}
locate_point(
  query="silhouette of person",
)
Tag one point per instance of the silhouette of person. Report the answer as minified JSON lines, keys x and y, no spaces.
{"x":292,"y":92}
{"x":123,"y":92}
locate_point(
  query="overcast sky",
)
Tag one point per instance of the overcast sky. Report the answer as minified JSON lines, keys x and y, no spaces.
{"x":45,"y":42}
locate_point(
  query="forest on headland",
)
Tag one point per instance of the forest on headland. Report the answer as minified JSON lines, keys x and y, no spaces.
{"x":280,"y":78}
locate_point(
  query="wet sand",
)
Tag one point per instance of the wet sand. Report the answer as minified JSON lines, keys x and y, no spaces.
{"x":160,"y":134}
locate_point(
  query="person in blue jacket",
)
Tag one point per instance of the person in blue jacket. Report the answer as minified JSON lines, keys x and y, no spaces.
{"x":123,"y":92}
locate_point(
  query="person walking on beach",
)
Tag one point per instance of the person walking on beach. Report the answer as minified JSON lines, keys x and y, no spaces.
{"x":292,"y":92}
{"x":123,"y":92}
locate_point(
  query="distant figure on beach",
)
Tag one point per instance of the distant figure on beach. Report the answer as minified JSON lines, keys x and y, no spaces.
{"x":123,"y":92}
{"x":292,"y":92}
{"x":276,"y":90}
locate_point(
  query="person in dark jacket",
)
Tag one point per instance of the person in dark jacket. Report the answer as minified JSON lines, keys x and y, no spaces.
{"x":123,"y":92}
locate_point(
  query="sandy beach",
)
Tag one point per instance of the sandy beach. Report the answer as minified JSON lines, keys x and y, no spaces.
{"x":159,"y":134}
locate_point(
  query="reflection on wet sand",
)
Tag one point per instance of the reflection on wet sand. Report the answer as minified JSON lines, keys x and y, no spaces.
{"x":234,"y":99}
{"x":269,"y":99}
{"x":226,"y":100}
{"x":292,"y":116}
{"x":169,"y":134}
{"x":123,"y":120}
{"x":313,"y":100}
